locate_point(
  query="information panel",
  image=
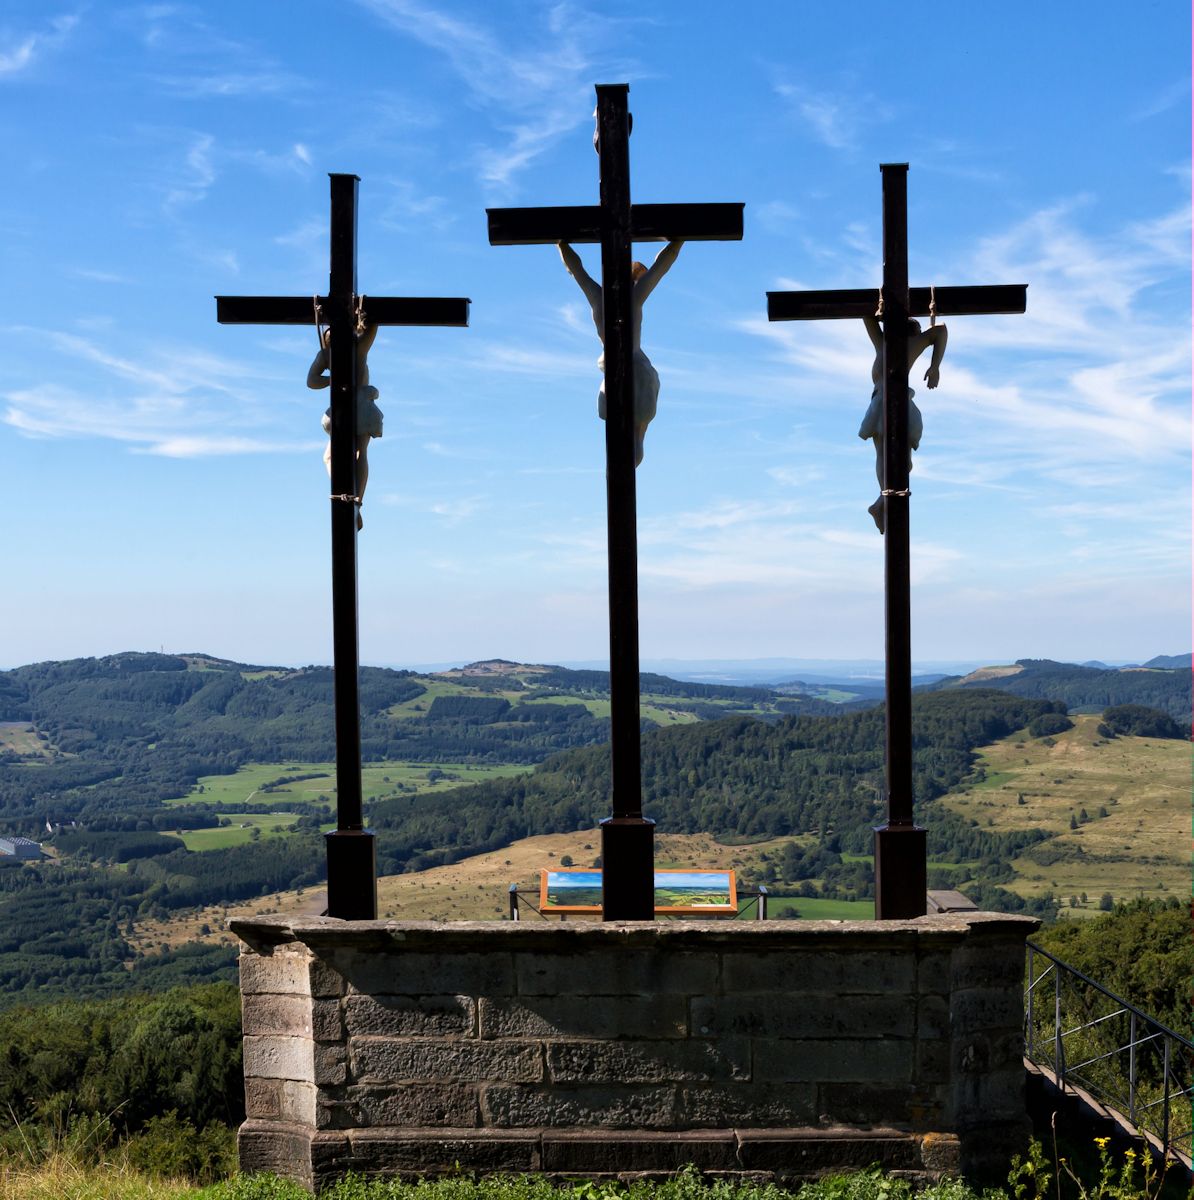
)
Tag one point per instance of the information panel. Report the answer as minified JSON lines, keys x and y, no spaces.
{"x":711,"y":893}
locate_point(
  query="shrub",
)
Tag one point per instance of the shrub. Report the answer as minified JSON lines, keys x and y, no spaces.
{"x":169,"y":1148}
{"x":1048,"y":724}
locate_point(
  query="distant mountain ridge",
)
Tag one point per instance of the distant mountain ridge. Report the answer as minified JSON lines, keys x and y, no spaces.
{"x":1089,"y":689}
{"x":1170,"y":662}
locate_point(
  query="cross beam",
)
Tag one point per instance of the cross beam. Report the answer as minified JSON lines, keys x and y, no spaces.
{"x":900,"y":845}
{"x":627,"y":838}
{"x":351,"y":849}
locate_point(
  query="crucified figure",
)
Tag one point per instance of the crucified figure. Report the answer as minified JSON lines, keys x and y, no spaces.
{"x":646,"y":378}
{"x":369,"y":416}
{"x":872,"y":424}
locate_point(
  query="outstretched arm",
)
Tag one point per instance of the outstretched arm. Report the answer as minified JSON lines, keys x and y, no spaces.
{"x":874,"y":332}
{"x":657,"y":270}
{"x":936,"y":336}
{"x":576,"y":269}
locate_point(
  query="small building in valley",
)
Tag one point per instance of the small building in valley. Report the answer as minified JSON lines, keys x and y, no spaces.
{"x":19,"y":849}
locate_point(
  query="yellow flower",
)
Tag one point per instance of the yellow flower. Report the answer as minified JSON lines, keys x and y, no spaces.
{"x":1129,"y":1154}
{"x":1102,"y":1142}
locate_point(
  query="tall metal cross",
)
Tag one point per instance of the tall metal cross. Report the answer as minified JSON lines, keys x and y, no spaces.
{"x":900,"y":859}
{"x":627,"y":838}
{"x":351,"y":849}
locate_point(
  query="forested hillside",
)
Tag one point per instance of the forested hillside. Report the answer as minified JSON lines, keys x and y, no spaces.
{"x":1088,"y":689}
{"x":734,"y":778}
{"x":115,"y":737}
{"x":101,"y":759}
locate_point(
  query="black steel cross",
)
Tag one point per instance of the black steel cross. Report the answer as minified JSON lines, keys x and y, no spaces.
{"x":900,"y":866}
{"x":351,"y":850}
{"x":627,"y":838}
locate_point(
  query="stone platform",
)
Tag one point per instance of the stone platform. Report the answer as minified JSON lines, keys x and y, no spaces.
{"x":762,"y":1049}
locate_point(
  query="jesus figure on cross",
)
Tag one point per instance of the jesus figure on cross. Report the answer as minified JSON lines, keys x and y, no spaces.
{"x":872,"y":424}
{"x":369,"y":416}
{"x":646,"y":378}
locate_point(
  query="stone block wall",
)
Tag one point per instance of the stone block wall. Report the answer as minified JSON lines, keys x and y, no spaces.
{"x":782,"y":1049}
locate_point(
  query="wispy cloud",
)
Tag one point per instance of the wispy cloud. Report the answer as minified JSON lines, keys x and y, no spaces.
{"x":837,"y":118}
{"x":97,"y":276}
{"x":408,"y":208}
{"x":198,"y":61}
{"x":538,"y":81}
{"x":196,"y":173}
{"x":1162,"y":100}
{"x":775,"y":216}
{"x":18,"y":52}
{"x":173,"y":401}
{"x":232,"y":84}
{"x":542,"y":364}
{"x":1097,"y":371}
{"x":454,"y":509}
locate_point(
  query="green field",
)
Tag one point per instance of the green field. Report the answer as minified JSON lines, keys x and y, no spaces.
{"x":377,"y":780}
{"x":239,"y":833}
{"x":662,"y":710}
{"x":811,"y":908}
{"x":22,"y":739}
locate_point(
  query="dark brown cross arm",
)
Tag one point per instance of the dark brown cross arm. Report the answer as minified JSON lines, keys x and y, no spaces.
{"x":582,"y":224}
{"x":351,"y":849}
{"x":900,"y":845}
{"x":375,"y":310}
{"x":627,"y":845}
{"x":862,"y":302}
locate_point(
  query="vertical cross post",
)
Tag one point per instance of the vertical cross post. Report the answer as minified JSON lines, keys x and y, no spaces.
{"x":351,"y":848}
{"x":900,"y":846}
{"x":627,"y":837}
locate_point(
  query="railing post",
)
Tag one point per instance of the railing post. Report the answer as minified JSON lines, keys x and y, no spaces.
{"x":1132,"y":1067}
{"x":762,"y":902}
{"x":514,"y":902}
{"x":1058,"y":1049}
{"x":1165,"y":1104}
{"x":1029,"y":998}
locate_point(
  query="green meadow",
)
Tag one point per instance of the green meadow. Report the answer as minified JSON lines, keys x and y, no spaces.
{"x":377,"y":779}
{"x":239,"y":832}
{"x":810,"y":908}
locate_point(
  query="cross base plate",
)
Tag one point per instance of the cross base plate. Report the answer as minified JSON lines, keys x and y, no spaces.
{"x":627,"y":869}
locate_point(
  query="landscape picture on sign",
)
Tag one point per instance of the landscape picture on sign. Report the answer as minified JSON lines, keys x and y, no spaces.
{"x":577,"y":890}
{"x":685,"y":891}
{"x":675,"y":891}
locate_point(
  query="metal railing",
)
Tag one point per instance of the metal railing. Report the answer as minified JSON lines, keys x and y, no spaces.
{"x":1093,"y":1039}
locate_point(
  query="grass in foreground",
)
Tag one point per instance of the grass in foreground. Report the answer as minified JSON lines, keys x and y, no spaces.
{"x":1036,"y":1176}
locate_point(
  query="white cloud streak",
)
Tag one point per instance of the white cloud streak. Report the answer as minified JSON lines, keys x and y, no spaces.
{"x":540,"y":84}
{"x":1096,"y":372}
{"x":837,"y":120}
{"x":173,"y":401}
{"x":23,"y":50}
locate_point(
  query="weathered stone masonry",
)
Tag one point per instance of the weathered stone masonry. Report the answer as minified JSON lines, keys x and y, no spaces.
{"x":783,"y":1049}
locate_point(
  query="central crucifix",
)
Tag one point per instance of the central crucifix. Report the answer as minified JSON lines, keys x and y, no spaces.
{"x":900,"y":844}
{"x":627,"y":837}
{"x":351,"y":849}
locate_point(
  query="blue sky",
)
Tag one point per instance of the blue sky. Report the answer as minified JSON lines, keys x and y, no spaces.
{"x":163,"y":473}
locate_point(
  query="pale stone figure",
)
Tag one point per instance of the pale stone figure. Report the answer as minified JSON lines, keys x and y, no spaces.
{"x":369,"y":416}
{"x":872,"y":424}
{"x":646,"y":378}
